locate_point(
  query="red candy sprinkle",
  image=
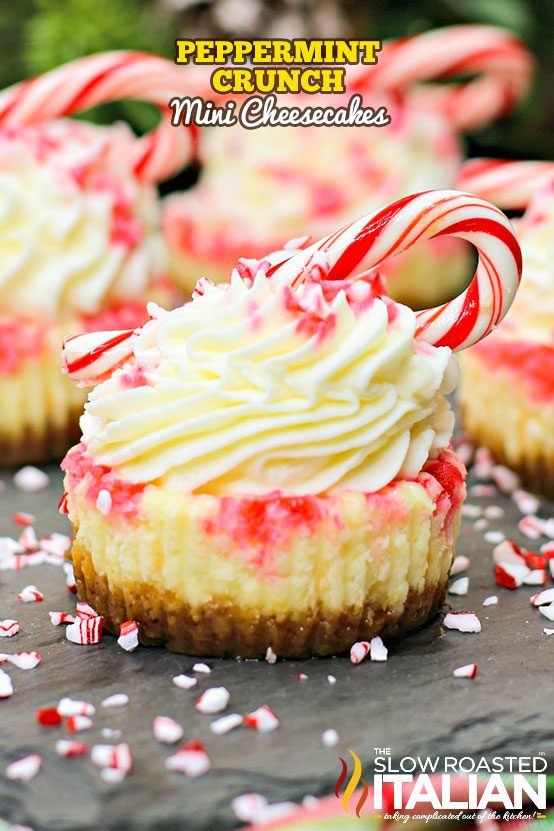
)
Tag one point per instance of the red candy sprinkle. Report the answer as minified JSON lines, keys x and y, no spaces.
{"x":21,"y":518}
{"x":48,"y":717}
{"x":263,"y":719}
{"x":68,"y":748}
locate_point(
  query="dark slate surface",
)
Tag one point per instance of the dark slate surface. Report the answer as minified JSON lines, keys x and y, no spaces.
{"x":411,"y":704}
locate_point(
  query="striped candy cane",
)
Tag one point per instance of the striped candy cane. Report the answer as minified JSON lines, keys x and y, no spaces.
{"x":90,"y":358}
{"x":362,"y":245}
{"x":502,"y":64}
{"x":508,"y":184}
{"x":369,"y":241}
{"x":99,"y":79}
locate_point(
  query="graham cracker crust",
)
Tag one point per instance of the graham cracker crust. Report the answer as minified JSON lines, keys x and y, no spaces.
{"x":224,"y":630}
{"x":39,"y":448}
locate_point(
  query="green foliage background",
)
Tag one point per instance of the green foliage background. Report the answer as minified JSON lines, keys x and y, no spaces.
{"x":36,"y":35}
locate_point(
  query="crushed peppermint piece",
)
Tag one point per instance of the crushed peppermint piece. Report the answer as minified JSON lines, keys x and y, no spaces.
{"x":192,"y":760}
{"x":526,"y":502}
{"x":459,"y":587}
{"x":28,"y":538}
{"x":331,"y":679}
{"x":301,"y":676}
{"x":84,"y":611}
{"x":509,"y":575}
{"x":377,"y":650}
{"x":9,"y":628}
{"x":359,"y":651}
{"x":463,"y":622}
{"x":184,"y":682}
{"x":471,"y":511}
{"x":531,"y":527}
{"x":57,"y":618}
{"x":482,"y":490}
{"x":204,"y":669}
{"x":22,"y":518}
{"x":85,"y":631}
{"x":330,"y":738}
{"x":104,"y":502}
{"x":548,"y":631}
{"x":110,"y":733}
{"x":30,"y":479}
{"x":506,"y":480}
{"x":6,"y":686}
{"x":70,"y":583}
{"x":263,"y":719}
{"x":72,"y":707}
{"x":128,"y":635}
{"x":48,"y":717}
{"x":78,"y":723}
{"x":213,"y":700}
{"x":115,"y":756}
{"x":116,"y":700}
{"x":467,"y":671}
{"x":67,"y":748}
{"x":460,"y":564}
{"x":494,"y":512}
{"x":248,"y":806}
{"x":30,"y":594}
{"x":542,"y":598}
{"x":166,"y":730}
{"x":24,"y":769}
{"x":547,"y":611}
{"x":494,"y":537}
{"x":536,"y":577}
{"x":112,"y":776}
{"x":270,"y":656}
{"x":24,"y":660}
{"x":492,"y":600}
{"x":225,"y":724}
{"x":509,"y":552}
{"x":483,"y":463}
{"x":481,"y":524}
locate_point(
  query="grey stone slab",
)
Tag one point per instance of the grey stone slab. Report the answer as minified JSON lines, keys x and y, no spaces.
{"x":411,"y":704}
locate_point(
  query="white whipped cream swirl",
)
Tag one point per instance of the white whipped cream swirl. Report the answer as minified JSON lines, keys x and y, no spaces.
{"x":76,"y":231}
{"x":248,"y":389}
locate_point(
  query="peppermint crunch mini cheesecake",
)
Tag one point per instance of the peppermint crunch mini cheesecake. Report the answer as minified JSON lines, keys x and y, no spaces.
{"x":270,"y":464}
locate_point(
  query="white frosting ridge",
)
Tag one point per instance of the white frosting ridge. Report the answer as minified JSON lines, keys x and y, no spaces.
{"x":76,"y":233}
{"x":248,"y":389}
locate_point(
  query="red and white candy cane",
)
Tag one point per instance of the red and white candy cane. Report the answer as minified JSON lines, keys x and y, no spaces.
{"x":508,"y":184}
{"x":502,"y":66}
{"x":370,"y":240}
{"x":88,"y":359}
{"x":100,"y":79}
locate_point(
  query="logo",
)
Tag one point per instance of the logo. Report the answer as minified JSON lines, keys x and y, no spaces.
{"x":445,"y":787}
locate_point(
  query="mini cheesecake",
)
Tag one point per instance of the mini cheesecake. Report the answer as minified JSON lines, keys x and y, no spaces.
{"x":266,"y":468}
{"x":80,"y":249}
{"x":262,"y":189}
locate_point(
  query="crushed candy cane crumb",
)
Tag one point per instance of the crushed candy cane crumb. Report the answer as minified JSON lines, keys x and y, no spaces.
{"x":467,"y":671}
{"x":462,"y":622}
{"x":213,"y":700}
{"x":166,"y":730}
